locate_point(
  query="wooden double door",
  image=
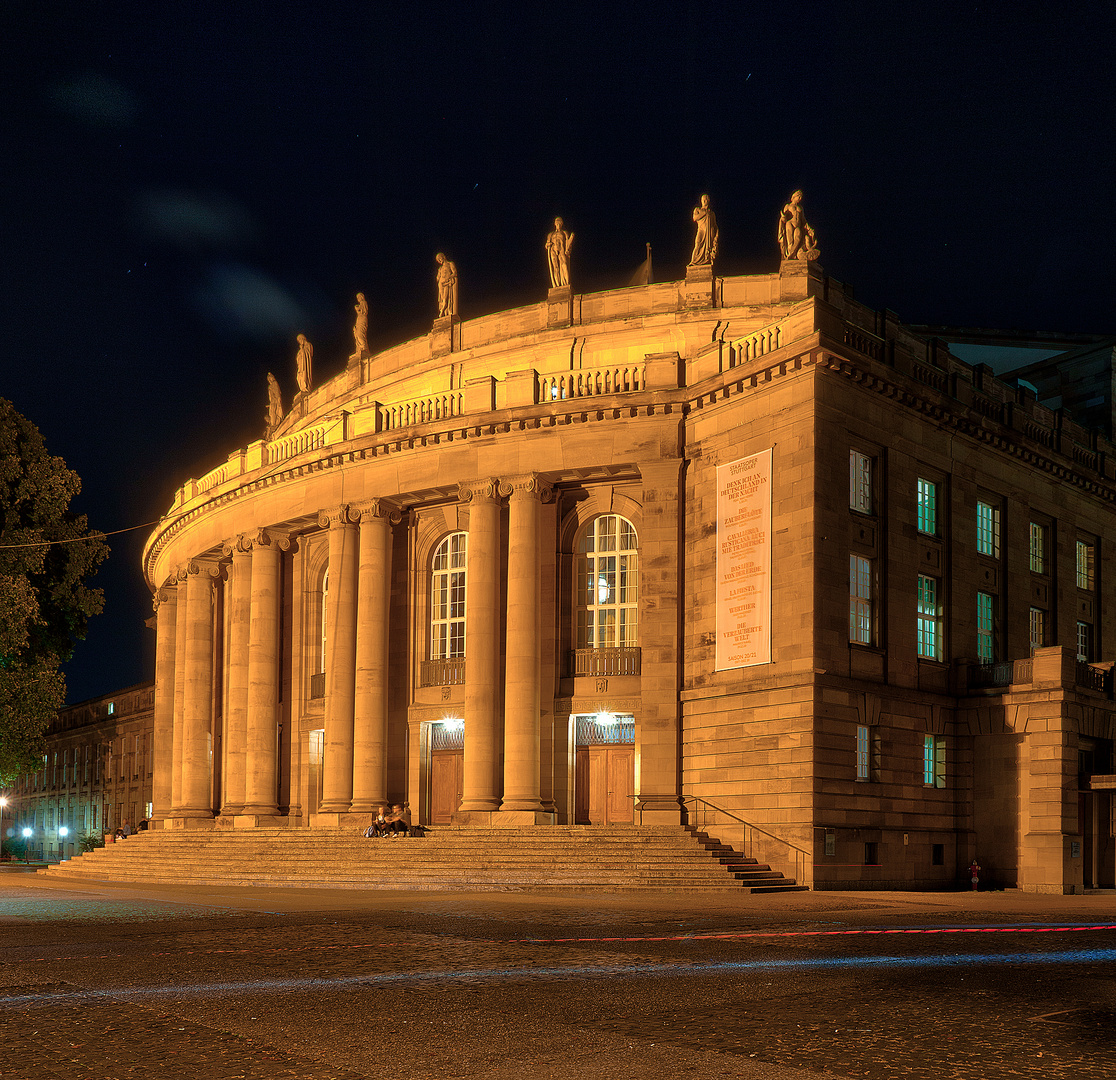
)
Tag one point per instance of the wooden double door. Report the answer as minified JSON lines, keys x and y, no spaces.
{"x":604,"y":783}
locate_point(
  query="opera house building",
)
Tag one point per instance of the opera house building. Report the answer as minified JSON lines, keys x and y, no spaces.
{"x":733,"y":552}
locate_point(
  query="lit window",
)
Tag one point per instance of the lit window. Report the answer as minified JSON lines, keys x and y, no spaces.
{"x":1038,"y":628}
{"x":927,"y":507}
{"x":860,"y":482}
{"x":929,"y":619}
{"x":1085,"y":642}
{"x":447,"y":622}
{"x":111,"y":708}
{"x":1038,"y":548}
{"x":860,"y":600}
{"x":986,"y":651}
{"x":933,"y":761}
{"x":1085,"y":553}
{"x":988,"y":529}
{"x":608,"y":585}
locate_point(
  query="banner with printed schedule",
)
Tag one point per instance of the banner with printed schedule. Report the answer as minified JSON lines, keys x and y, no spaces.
{"x":744,"y":562}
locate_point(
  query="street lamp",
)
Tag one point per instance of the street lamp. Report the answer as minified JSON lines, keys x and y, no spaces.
{"x":3,"y":803}
{"x":63,"y":832}
{"x":27,"y":846}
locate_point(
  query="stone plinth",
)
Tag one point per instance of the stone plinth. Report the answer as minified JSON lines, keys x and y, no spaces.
{"x":697,"y":291}
{"x":189,"y":822}
{"x":446,"y":335}
{"x":559,"y":306}
{"x":514,"y":819}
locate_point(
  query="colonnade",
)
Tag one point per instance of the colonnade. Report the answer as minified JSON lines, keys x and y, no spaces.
{"x":354,"y":766}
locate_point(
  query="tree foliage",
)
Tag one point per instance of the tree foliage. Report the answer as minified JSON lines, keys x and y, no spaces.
{"x":47,"y":557}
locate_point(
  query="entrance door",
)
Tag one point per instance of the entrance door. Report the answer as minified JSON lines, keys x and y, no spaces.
{"x":447,"y":768}
{"x":604,"y":783}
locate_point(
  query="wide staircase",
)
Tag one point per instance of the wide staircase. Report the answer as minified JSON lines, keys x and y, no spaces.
{"x":602,"y":858}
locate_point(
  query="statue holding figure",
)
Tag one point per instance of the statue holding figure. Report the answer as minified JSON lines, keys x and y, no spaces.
{"x":558,"y":245}
{"x":447,"y":286}
{"x":705,"y":242}
{"x":304,"y":363}
{"x":360,"y":326}
{"x":796,"y":238}
{"x":274,"y":405}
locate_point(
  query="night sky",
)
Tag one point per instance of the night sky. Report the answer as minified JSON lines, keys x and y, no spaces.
{"x":187,"y":186}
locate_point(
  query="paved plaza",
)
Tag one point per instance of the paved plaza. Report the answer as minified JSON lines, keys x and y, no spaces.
{"x":109,"y":982}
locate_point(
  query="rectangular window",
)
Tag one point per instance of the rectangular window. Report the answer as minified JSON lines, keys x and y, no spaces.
{"x":860,"y":600}
{"x":1038,"y":628}
{"x":867,"y":753}
{"x":988,"y":529}
{"x":860,"y":482}
{"x":88,"y":759}
{"x":986,"y":649}
{"x":1038,"y":548}
{"x":929,"y":619}
{"x":933,"y":761}
{"x":871,"y":853}
{"x":1085,"y":642}
{"x":937,"y":854}
{"x":1085,"y":553}
{"x":927,"y":507}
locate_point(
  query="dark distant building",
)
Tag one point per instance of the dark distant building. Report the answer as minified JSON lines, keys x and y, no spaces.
{"x":96,"y":774}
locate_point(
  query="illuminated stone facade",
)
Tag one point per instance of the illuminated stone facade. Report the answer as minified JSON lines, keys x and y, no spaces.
{"x":487,"y":573}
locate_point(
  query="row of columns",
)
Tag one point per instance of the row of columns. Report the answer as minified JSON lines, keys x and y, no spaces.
{"x":357,"y":635}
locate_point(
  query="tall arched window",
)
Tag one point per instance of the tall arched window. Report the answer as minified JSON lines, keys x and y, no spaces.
{"x":608,"y":585}
{"x":322,"y":628}
{"x":447,"y":594}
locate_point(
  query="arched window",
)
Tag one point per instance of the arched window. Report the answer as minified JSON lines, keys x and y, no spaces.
{"x":447,"y":595}
{"x":608,"y":585}
{"x":325,"y":604}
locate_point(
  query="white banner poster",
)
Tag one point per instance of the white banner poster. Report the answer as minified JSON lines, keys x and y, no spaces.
{"x":744,"y":562}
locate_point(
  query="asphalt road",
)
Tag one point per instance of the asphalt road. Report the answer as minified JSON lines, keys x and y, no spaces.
{"x":113,"y":982}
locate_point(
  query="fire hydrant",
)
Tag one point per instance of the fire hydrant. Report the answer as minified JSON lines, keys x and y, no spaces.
{"x":974,"y":873}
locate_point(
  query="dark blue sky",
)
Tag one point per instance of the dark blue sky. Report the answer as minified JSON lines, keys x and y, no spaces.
{"x":187,"y":186}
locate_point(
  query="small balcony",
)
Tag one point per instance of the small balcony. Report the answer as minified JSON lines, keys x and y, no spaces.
{"x":449,"y":672}
{"x":604,"y":661}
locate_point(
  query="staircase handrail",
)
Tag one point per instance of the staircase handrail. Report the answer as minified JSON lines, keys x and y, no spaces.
{"x":801,"y":855}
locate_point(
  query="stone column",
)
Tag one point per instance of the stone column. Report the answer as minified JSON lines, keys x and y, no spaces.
{"x":166,"y":613}
{"x":236,"y":708}
{"x":179,"y":689}
{"x":660,"y":621}
{"x":521,"y":676}
{"x":337,"y":782}
{"x":482,"y":628}
{"x":370,"y":706}
{"x":197,"y":695}
{"x":261,"y":758}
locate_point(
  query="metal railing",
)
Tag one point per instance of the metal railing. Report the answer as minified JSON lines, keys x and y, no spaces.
{"x":317,"y":685}
{"x":800,"y":857}
{"x":1001,"y":673}
{"x":449,"y":672}
{"x":604,"y":661}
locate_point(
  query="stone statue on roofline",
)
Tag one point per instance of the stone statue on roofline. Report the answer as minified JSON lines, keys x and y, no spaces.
{"x":274,"y":406}
{"x":304,"y":362}
{"x":558,"y":245}
{"x":705,"y":242}
{"x":796,"y":238}
{"x":360,"y":326}
{"x":446,"y":279}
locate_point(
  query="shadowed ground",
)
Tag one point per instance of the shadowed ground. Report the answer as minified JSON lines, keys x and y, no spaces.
{"x":113,"y":982}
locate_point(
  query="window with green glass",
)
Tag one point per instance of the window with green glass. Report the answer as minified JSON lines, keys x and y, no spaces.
{"x":1085,"y":557}
{"x":929,"y":619}
{"x":927,"y":507}
{"x":860,"y":600}
{"x":988,"y":529}
{"x":986,"y":651}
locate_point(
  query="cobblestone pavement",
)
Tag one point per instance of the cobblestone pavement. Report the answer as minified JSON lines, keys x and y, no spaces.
{"x":110,"y":983}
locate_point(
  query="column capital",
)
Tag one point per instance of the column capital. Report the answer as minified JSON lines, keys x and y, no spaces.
{"x":204,"y":567}
{"x":345,"y":514}
{"x":266,"y":538}
{"x":167,"y":594}
{"x":373,"y":509}
{"x":238,"y":545}
{"x":486,"y":488}
{"x":528,"y":484}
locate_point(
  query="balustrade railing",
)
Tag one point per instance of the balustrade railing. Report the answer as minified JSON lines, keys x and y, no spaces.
{"x":604,"y":661}
{"x":449,"y":672}
{"x":591,"y":383}
{"x":421,"y":410}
